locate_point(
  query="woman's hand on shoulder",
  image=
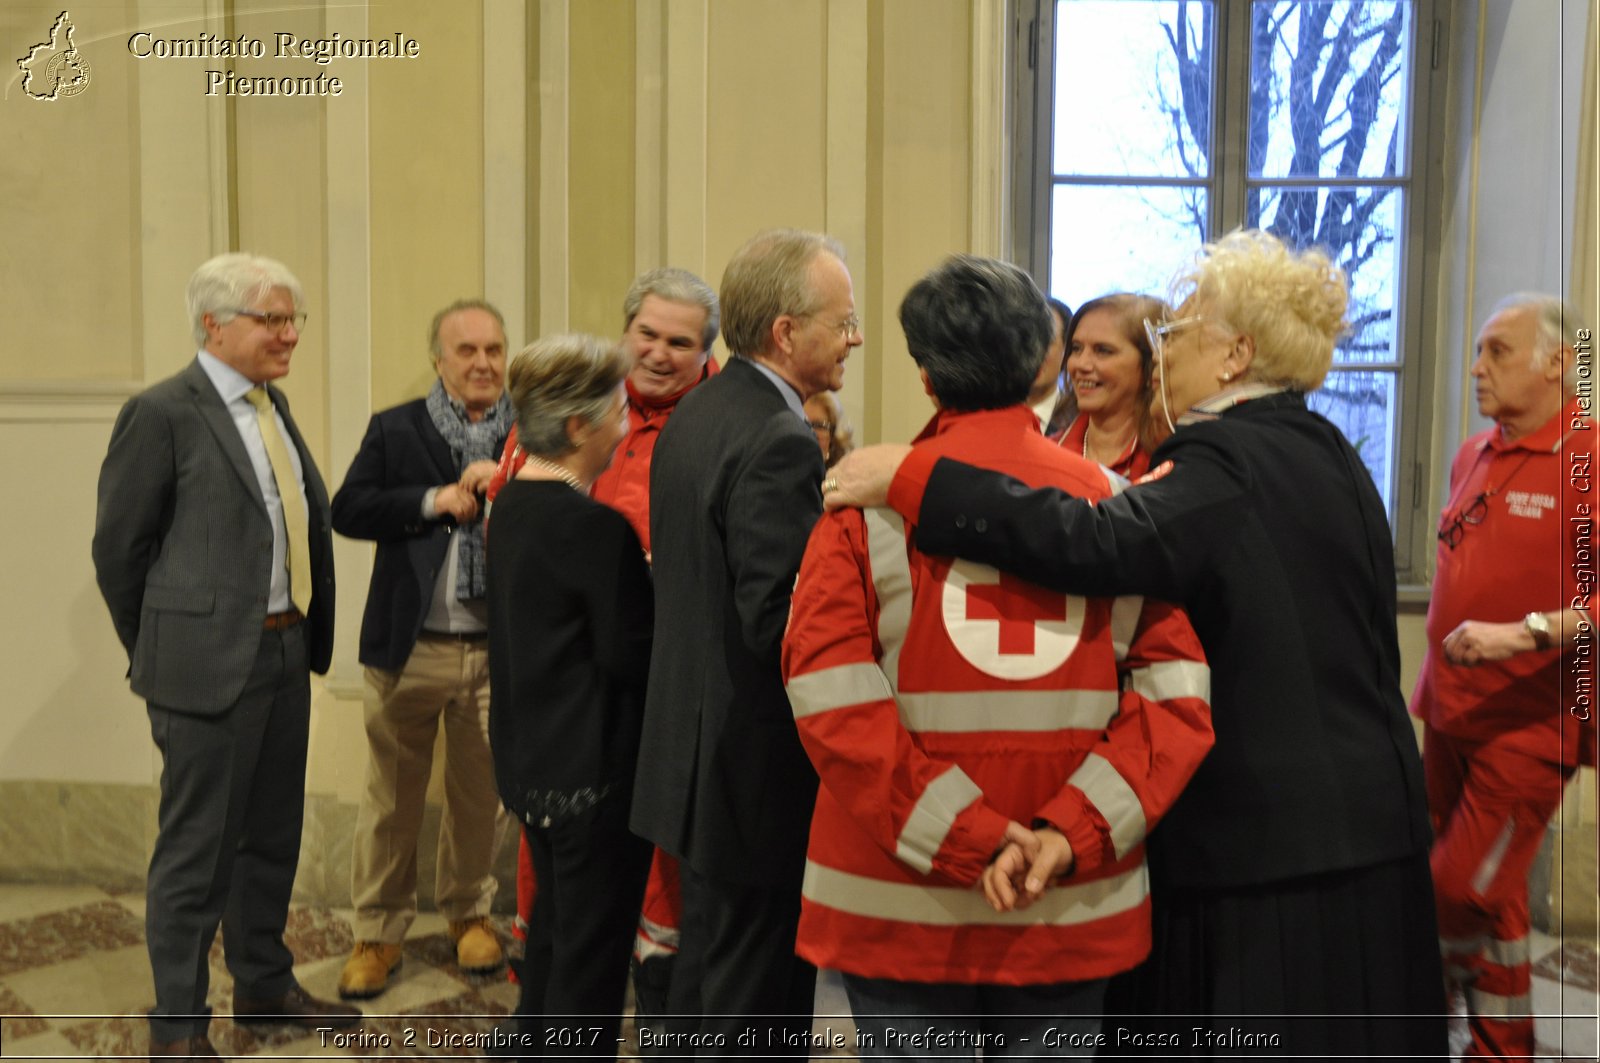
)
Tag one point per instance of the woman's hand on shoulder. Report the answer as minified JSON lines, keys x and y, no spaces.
{"x":863,"y":476}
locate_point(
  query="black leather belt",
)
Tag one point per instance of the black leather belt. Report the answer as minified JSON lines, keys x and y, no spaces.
{"x":457,"y":636}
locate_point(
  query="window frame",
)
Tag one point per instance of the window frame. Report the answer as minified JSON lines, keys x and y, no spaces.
{"x":1417,"y":328}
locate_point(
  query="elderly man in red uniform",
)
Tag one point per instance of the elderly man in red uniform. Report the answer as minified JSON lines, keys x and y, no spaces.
{"x":670,"y":320}
{"x":1509,"y":630}
{"x":967,"y":727}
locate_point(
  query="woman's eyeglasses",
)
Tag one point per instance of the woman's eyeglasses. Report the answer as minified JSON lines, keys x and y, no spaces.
{"x":1157,"y":334}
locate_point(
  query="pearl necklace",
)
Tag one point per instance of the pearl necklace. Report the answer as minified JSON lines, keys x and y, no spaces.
{"x":560,"y":471}
{"x":1126,"y":449}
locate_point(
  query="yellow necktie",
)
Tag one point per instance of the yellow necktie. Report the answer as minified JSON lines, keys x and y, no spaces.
{"x":296,"y":525}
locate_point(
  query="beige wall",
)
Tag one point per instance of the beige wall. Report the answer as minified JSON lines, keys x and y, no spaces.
{"x":426,"y":186}
{"x":541,"y":152}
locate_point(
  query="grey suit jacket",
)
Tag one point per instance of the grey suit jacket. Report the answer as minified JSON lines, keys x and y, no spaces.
{"x":183,"y":547}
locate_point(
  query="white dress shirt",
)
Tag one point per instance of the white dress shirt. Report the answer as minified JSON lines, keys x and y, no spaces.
{"x":233,"y":386}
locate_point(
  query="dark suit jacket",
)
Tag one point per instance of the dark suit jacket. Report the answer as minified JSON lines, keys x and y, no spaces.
{"x":183,"y":547}
{"x":402,"y":456}
{"x":1269,"y":531}
{"x":735,"y":488}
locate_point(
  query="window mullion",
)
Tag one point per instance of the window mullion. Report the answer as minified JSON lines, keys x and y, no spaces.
{"x":1230,"y":126}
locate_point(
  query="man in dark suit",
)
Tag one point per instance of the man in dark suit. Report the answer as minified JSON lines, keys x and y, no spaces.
{"x":213,"y":551}
{"x":734,"y":491}
{"x":414,"y":488}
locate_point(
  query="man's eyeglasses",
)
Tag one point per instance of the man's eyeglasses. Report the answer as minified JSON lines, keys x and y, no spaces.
{"x":1452,"y":533}
{"x":850,"y":326}
{"x":1157,"y":333}
{"x":273,"y":321}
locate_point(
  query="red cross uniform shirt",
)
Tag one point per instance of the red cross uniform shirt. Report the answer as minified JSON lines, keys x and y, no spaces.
{"x":1533,"y":551}
{"x":940,"y":700}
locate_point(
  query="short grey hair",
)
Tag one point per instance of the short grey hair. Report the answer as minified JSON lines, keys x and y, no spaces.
{"x":1556,"y":323}
{"x":675,"y":286}
{"x":768,"y":277}
{"x":558,"y":378}
{"x":456,"y":307}
{"x":231,"y":282}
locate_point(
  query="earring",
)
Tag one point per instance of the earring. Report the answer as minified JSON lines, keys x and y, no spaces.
{"x":1227,"y":376}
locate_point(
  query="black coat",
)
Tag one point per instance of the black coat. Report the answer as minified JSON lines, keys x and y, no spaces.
{"x":1269,"y":531}
{"x":735,"y":487}
{"x":402,"y":456}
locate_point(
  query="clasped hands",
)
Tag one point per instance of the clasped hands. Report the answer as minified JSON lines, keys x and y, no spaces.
{"x":1027,"y":862}
{"x":460,"y":499}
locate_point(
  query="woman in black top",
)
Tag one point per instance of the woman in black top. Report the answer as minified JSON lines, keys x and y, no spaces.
{"x":570,"y":612}
{"x":1290,"y":880}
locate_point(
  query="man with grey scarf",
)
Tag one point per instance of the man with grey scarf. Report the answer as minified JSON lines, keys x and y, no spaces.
{"x":415,"y":488}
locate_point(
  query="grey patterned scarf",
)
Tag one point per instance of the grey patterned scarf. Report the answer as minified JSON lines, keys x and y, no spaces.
{"x":469,"y":441}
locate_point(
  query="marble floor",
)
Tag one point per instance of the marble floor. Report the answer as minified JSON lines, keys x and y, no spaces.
{"x":75,"y":983}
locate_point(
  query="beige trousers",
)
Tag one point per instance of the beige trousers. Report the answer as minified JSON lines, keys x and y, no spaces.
{"x":445,"y":678}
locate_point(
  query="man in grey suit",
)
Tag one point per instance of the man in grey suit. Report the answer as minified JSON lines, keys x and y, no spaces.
{"x":212,"y":548}
{"x":727,"y":788}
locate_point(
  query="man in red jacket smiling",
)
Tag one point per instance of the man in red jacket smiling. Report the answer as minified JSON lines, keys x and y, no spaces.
{"x":670,"y":320}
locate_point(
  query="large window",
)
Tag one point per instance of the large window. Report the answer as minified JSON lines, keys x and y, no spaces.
{"x":1150,"y":126}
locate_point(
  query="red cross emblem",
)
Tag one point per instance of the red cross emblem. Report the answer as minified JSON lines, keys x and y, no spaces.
{"x":1005,"y":627}
{"x":1018,"y":606}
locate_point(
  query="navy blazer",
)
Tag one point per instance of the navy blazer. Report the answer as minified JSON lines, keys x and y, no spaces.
{"x":183,"y":548}
{"x":401,"y":458}
{"x":735,"y":487}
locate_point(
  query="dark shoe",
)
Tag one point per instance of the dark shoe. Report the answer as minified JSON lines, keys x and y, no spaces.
{"x":297,"y":1007}
{"x":196,"y":1046}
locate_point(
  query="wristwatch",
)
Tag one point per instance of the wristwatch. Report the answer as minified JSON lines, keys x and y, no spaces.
{"x":1538,"y":626}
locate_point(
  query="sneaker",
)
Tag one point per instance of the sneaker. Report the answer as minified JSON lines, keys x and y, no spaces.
{"x":366,"y":972}
{"x":478,"y":948}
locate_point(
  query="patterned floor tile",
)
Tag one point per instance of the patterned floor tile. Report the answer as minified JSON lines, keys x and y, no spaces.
{"x":1575,"y":964}
{"x":316,"y":934}
{"x":24,"y":902}
{"x":461,"y":1025}
{"x":102,"y":982}
{"x":123,"y":1037}
{"x":16,"y":1018}
{"x":55,"y":937}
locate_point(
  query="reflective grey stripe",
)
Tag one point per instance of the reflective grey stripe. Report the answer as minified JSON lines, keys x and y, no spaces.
{"x":836,"y":688}
{"x":1462,"y":946}
{"x":1490,"y":867}
{"x":658,"y":934}
{"x":1125,"y":612}
{"x":1008,"y":710}
{"x":1513,"y":953}
{"x":1109,"y":792}
{"x":1495,"y":1006}
{"x":934,"y":814}
{"x":891,"y":578}
{"x":645,"y":949}
{"x":902,"y":902}
{"x":1165,"y":680}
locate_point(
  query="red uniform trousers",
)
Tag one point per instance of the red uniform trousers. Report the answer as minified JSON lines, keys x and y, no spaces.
{"x":1490,"y":806}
